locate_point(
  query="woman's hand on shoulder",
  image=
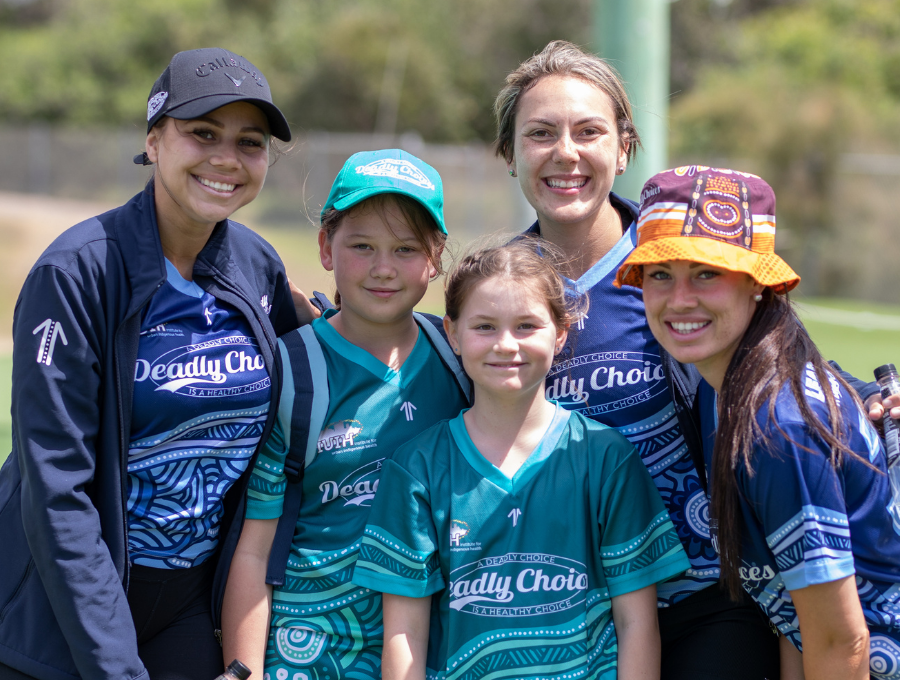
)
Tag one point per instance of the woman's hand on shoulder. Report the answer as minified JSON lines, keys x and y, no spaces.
{"x":305,"y":309}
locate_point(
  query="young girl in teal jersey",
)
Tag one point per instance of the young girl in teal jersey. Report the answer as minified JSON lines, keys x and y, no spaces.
{"x":527,"y":540}
{"x":390,"y":375}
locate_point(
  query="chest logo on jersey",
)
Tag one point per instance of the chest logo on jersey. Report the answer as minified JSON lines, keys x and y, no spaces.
{"x":611,"y":380}
{"x":220,"y":367}
{"x":518,"y":584}
{"x":358,"y":488}
{"x":338,"y":435}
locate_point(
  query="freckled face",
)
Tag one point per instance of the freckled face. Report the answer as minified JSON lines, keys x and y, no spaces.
{"x":506,"y":336}
{"x":208,"y":167}
{"x":566,"y":150}
{"x":699,"y":313}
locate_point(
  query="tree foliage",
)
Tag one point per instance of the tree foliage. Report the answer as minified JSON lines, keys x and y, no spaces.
{"x":798,"y":88}
{"x":93,"y":61}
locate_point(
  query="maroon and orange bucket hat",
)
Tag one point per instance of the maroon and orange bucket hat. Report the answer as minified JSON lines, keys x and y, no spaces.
{"x":724,"y":218}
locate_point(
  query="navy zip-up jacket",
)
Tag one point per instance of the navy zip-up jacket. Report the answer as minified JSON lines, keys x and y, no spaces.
{"x":64,"y":570}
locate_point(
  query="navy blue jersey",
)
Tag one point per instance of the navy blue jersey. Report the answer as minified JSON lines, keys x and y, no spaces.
{"x":201,"y":395}
{"x":611,"y":372}
{"x":807,"y":522}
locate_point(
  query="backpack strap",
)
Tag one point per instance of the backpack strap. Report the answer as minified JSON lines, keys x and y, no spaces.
{"x":302,"y":411}
{"x":434,"y":331}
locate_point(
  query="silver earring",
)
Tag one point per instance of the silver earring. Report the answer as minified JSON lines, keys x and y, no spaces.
{"x":758,"y":297}
{"x":621,"y":169}
{"x":512,"y":173}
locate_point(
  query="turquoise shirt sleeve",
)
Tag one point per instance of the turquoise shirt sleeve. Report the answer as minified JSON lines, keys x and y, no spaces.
{"x":265,"y":494}
{"x":398,"y":554}
{"x":639,"y":545}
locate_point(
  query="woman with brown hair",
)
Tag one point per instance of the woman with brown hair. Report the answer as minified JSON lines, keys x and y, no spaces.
{"x":565,"y":131}
{"x":798,"y":479}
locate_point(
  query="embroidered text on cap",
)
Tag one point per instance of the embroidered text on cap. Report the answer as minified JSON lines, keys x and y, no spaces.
{"x":396,"y":169}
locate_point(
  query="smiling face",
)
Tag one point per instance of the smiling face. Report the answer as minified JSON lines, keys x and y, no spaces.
{"x":380,"y":269}
{"x":506,"y":337}
{"x":208,"y":167}
{"x":566,"y":150}
{"x":699,"y":313}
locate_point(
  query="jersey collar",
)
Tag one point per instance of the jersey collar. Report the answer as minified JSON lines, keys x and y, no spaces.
{"x":529,"y":468}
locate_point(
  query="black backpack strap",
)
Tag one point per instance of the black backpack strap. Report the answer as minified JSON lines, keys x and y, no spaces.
{"x":320,"y":301}
{"x":302,"y":411}
{"x":434,"y":331}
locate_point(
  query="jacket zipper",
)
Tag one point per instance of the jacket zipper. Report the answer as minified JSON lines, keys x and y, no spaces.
{"x":123,"y":439}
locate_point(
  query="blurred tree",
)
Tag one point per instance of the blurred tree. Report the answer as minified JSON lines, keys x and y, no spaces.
{"x":800,"y":86}
{"x":93,"y":61}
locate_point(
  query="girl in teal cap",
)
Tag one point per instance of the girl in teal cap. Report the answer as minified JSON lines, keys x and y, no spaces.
{"x":363,"y":379}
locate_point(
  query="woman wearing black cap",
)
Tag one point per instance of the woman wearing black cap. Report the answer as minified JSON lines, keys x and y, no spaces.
{"x":143,"y":381}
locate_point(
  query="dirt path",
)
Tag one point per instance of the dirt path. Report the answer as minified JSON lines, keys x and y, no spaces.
{"x":28,"y":224}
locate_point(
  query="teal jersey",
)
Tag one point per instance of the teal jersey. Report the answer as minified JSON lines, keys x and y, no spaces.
{"x":522,"y":570}
{"x":322,"y":622}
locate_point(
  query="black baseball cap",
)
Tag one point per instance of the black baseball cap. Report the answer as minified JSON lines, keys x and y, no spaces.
{"x":199,"y":81}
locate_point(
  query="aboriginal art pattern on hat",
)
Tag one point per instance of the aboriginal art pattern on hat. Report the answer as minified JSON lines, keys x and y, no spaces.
{"x":720,"y":208}
{"x":719,"y":205}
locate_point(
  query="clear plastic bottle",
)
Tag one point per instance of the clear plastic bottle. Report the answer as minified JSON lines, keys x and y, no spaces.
{"x":235,"y":671}
{"x":889,"y":382}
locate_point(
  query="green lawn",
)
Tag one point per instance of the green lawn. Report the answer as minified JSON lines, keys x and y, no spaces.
{"x":858,"y":335}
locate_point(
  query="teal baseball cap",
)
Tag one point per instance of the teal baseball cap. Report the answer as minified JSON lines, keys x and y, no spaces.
{"x":388,"y":171}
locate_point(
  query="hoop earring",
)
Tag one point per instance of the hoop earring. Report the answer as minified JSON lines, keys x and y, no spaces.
{"x":758,"y":297}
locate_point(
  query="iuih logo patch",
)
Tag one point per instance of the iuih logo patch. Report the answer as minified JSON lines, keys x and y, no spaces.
{"x":396,"y":169}
{"x":338,"y":435}
{"x":458,"y":530}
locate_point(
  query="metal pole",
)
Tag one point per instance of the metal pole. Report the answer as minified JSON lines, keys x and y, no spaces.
{"x":633,"y":35}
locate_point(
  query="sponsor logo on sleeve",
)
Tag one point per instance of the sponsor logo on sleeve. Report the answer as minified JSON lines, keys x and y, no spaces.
{"x":52,"y":331}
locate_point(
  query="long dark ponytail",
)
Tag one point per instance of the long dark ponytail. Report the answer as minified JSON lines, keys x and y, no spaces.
{"x":774,"y":351}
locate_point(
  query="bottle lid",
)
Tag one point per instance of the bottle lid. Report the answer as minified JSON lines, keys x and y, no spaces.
{"x":884,"y":371}
{"x":238,"y":670}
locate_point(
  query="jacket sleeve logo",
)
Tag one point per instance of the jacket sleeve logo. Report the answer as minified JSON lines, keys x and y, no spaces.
{"x":52,"y":331}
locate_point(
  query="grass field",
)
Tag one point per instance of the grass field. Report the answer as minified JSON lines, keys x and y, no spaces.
{"x":858,"y":335}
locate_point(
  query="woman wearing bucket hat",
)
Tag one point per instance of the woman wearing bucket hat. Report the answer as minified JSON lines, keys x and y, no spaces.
{"x":144,"y":379}
{"x":565,"y":131}
{"x":797,"y":474}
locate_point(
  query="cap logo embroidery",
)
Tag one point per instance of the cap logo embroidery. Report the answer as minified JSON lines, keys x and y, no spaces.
{"x":237,"y":82}
{"x":206,"y":69}
{"x":155,"y":104}
{"x":396,"y":169}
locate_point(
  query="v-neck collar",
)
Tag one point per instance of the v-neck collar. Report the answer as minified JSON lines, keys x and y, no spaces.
{"x":528,"y":469}
{"x":606,"y":264}
{"x":400,"y":378}
{"x":611,"y":261}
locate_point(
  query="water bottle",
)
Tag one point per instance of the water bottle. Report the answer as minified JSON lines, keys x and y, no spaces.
{"x":235,"y":671}
{"x":889,"y":382}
